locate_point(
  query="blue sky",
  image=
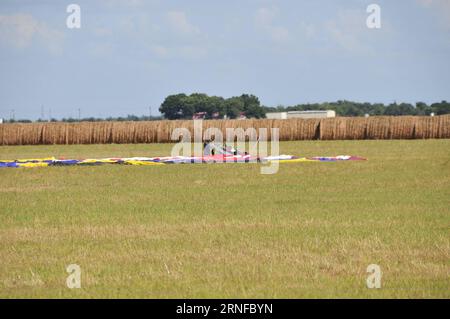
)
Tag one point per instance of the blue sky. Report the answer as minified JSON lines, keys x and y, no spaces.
{"x":129,"y":55}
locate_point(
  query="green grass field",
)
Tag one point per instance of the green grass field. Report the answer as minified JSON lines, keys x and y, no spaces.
{"x":225,"y":230}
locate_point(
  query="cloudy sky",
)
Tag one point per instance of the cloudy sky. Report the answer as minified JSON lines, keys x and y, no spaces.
{"x":129,"y":55}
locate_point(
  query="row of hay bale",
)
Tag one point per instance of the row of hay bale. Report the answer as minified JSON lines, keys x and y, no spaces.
{"x":339,"y":128}
{"x":383,"y":127}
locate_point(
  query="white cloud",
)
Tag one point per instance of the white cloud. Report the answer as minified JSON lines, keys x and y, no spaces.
{"x":264,"y":18}
{"x":125,"y":3}
{"x":180,"y":24}
{"x":279,"y":34}
{"x":193,"y":52}
{"x":102,"y":50}
{"x":190,"y":52}
{"x":346,"y":29}
{"x":308,"y":30}
{"x":350,"y":32}
{"x":441,"y":7}
{"x":159,"y":50}
{"x":20,"y":30}
{"x":441,"y":4}
{"x":102,"y":32}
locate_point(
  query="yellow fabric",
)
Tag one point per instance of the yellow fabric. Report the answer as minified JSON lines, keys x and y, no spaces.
{"x":297,"y":160}
{"x":42,"y":164}
{"x":132,"y":162}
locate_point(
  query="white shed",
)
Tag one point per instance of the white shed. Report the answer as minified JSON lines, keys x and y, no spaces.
{"x":313,"y":114}
{"x":277,"y":115}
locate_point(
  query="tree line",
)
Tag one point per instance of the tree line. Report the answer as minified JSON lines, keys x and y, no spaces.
{"x":130,"y":117}
{"x":349,"y":108}
{"x":183,"y":106}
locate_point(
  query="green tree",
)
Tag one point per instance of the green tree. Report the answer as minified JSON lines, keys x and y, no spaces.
{"x":441,"y":108}
{"x":174,"y":107}
{"x":252,"y":106}
{"x":400,"y":109}
{"x":233,"y":106}
{"x":422,"y":108}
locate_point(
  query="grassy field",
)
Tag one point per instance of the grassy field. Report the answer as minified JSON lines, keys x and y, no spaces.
{"x":225,"y":230}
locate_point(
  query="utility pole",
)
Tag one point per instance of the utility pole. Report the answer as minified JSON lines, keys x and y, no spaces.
{"x":79,"y":114}
{"x":150,"y":112}
{"x":13,"y":115}
{"x":42,"y":113}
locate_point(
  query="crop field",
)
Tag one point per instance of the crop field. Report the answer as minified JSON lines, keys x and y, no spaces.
{"x":225,"y":230}
{"x":339,"y":128}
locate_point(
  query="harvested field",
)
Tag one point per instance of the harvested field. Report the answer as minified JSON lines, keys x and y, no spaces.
{"x":340,"y":128}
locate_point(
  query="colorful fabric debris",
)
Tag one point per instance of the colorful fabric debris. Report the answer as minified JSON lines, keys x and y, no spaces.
{"x":221,"y":158}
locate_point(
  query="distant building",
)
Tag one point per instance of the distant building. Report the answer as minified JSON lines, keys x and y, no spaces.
{"x":1,"y":120}
{"x":199,"y":116}
{"x":242,"y":116}
{"x":203,"y":115}
{"x":314,"y":114}
{"x":277,"y":115}
{"x":215,"y":115}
